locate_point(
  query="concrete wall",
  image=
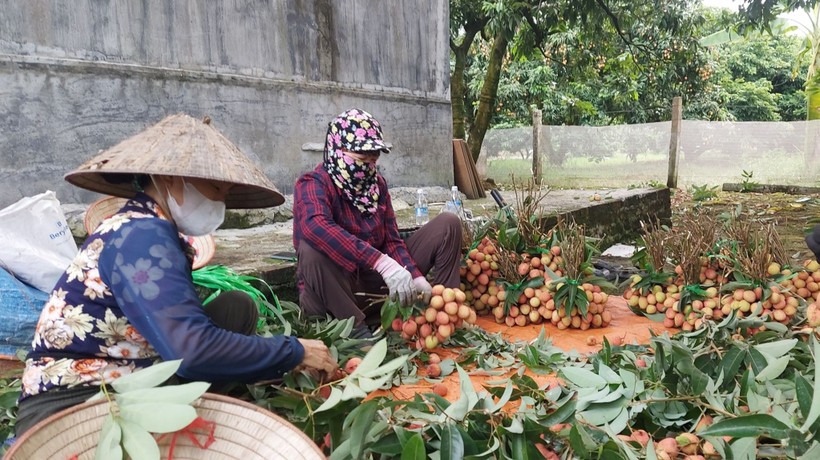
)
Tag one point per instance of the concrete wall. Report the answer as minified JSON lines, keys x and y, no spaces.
{"x":77,"y":76}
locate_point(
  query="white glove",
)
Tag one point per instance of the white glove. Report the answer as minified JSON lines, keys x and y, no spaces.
{"x":423,"y":288}
{"x":397,"y":278}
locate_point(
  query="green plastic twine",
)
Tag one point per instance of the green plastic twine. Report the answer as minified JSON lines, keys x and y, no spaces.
{"x":695,"y":290}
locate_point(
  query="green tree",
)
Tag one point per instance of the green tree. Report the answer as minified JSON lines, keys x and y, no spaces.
{"x":753,"y":79}
{"x":614,"y":61}
{"x":771,"y":58}
{"x":604,"y":56}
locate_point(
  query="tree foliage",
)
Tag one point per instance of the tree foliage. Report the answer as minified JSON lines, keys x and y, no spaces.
{"x":599,"y":62}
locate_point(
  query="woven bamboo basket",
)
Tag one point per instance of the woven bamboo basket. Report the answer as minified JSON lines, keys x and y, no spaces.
{"x":104,"y":208}
{"x":243,"y":431}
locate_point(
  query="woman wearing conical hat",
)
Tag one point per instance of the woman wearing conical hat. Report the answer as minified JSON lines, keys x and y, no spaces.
{"x":346,"y":236}
{"x":128,"y":299}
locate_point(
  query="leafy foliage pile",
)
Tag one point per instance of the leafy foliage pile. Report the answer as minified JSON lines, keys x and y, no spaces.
{"x":712,"y":390}
{"x":9,"y":392}
{"x":739,"y":395}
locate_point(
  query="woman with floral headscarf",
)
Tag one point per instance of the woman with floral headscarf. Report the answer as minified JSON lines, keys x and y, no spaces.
{"x":345,"y":231}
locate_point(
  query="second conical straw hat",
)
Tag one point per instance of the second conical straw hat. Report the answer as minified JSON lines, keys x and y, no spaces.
{"x":179,"y":145}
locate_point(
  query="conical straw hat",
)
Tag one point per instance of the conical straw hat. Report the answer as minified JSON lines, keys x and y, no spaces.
{"x":243,"y":430}
{"x":178,"y":146}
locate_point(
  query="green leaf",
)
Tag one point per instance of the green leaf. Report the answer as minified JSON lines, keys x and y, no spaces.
{"x":618,"y":424}
{"x":466,"y":385}
{"x":448,"y":366}
{"x":744,"y":449}
{"x":773,"y":369}
{"x":515,"y":426}
{"x":582,"y":377}
{"x":108,"y":446}
{"x":650,"y":451}
{"x":560,"y":415}
{"x":413,"y":449}
{"x":776,"y":349}
{"x":159,"y":417}
{"x":814,"y":411}
{"x":609,"y":375}
{"x":373,"y":358}
{"x":360,"y":426}
{"x":342,"y":452}
{"x":369,"y":385}
{"x":758,"y":361}
{"x":814,"y":448}
{"x":588,"y":396}
{"x":572,"y":293}
{"x":622,"y":447}
{"x":388,"y":368}
{"x":389,"y":312}
{"x":148,"y":377}
{"x":519,"y":447}
{"x":8,"y":398}
{"x":331,"y":401}
{"x":138,"y":443}
{"x":458,"y":410}
{"x":452,"y":445}
{"x":504,"y":399}
{"x":748,"y":426}
{"x":580,"y":440}
{"x":389,"y":445}
{"x":731,"y":362}
{"x":172,"y":394}
{"x":803,"y":390}
{"x":601,"y":414}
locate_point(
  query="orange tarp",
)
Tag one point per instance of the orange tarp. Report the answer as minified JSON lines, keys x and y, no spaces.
{"x":625,"y":324}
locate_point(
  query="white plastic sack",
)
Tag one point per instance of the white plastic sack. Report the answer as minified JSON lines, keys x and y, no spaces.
{"x":36,"y":244}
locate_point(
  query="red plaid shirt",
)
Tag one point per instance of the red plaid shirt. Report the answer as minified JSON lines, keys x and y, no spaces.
{"x":328,"y":222}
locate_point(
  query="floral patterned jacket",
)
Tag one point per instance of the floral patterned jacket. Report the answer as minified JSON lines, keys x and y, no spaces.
{"x":127,"y":301}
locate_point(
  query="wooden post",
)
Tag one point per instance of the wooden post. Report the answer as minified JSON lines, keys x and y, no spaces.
{"x":536,"y":146}
{"x":674,"y":142}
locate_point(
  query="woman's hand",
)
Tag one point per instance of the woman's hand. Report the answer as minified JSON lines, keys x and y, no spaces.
{"x":423,"y":289}
{"x":317,"y":357}
{"x":398,"y":280}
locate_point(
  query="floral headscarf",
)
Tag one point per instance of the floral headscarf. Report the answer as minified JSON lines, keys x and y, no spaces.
{"x":355,"y":131}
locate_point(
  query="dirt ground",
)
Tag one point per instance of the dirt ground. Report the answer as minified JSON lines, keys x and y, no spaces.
{"x":794,"y":215}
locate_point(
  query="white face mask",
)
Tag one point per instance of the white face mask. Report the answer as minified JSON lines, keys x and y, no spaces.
{"x":198,"y":215}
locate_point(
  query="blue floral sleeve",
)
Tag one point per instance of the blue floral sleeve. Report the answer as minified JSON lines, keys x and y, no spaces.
{"x":150,"y":279}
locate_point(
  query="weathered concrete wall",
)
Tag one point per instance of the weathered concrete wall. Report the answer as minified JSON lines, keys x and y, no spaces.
{"x":619,"y":219}
{"x":77,"y":76}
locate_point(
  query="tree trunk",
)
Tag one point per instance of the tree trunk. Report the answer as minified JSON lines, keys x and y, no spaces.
{"x":457,"y":91}
{"x":489,"y":91}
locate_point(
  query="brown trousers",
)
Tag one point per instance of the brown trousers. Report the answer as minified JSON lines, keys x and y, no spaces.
{"x":330,"y":290}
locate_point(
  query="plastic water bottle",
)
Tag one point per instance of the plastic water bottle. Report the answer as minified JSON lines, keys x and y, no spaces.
{"x":422,"y":211}
{"x":456,"y":199}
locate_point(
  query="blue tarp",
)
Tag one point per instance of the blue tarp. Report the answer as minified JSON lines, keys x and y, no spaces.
{"x":20,"y":307}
